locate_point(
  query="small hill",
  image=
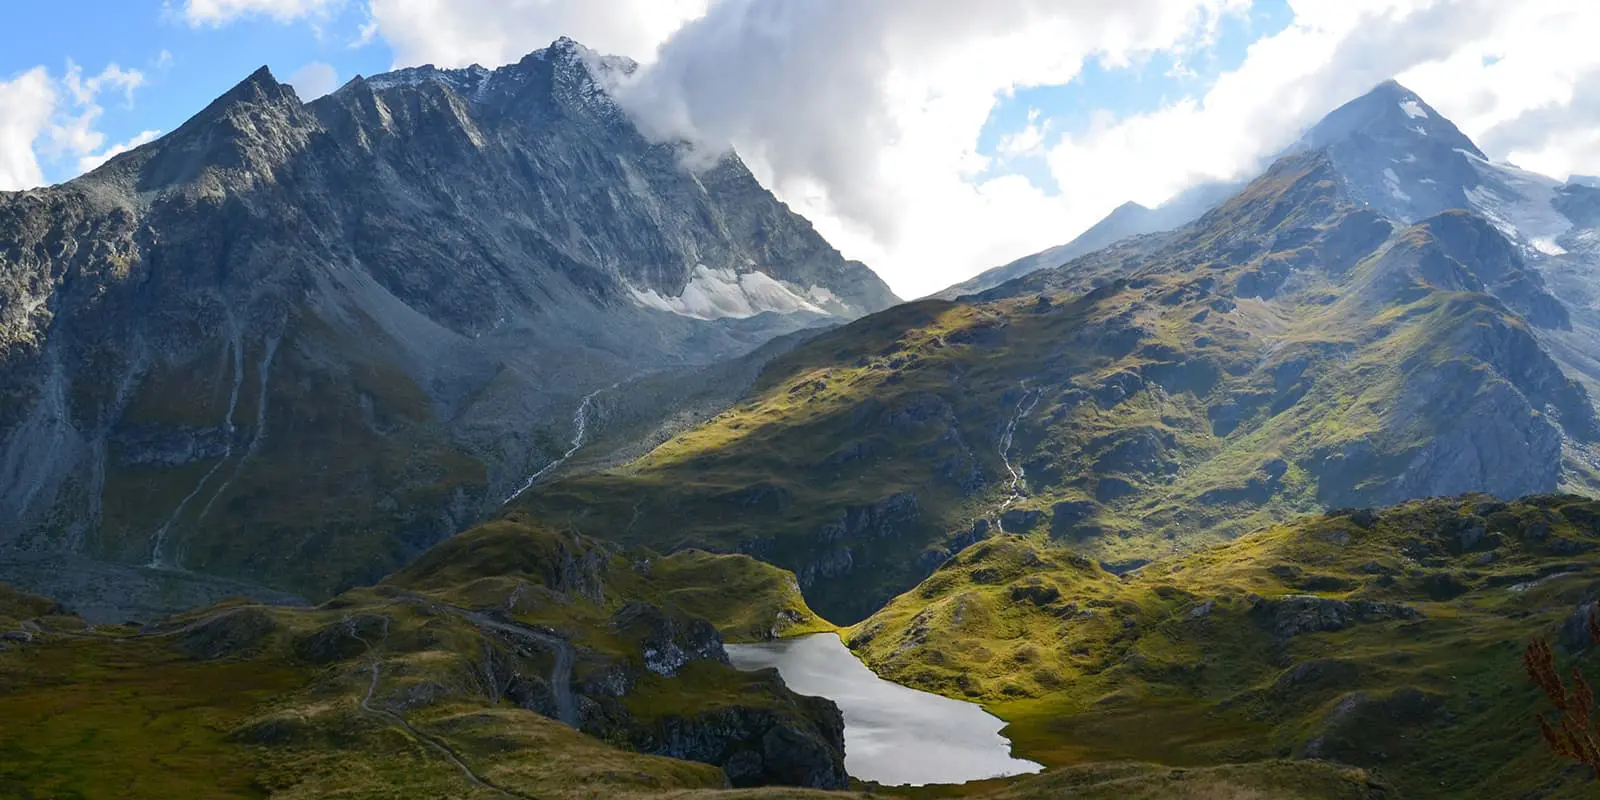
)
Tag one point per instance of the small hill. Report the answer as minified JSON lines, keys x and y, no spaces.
{"x":1390,"y":641}
{"x":508,"y":641}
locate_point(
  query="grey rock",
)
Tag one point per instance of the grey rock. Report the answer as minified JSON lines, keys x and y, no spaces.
{"x":441,"y":263}
{"x":1574,"y":636}
{"x":830,"y":564}
{"x":1069,"y":517}
{"x":228,"y":634}
{"x":759,"y":747}
{"x":1355,"y":729}
{"x":1020,"y":520}
{"x":1297,"y":615}
{"x":669,"y":642}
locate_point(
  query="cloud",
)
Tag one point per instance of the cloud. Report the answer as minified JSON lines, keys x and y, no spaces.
{"x":216,"y":13}
{"x":29,"y":100}
{"x":57,"y":120}
{"x":314,"y":80}
{"x":367,"y":34}
{"x":1529,"y":91}
{"x":92,"y":160}
{"x":866,"y":116}
{"x":1027,"y":141}
{"x":76,"y":133}
{"x":1287,"y":81}
{"x":456,"y":33}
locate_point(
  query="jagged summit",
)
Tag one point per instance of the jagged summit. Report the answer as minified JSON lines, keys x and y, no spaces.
{"x":463,"y":79}
{"x":1390,"y":113}
{"x":1397,"y":154}
{"x":577,"y":64}
{"x":259,"y":87}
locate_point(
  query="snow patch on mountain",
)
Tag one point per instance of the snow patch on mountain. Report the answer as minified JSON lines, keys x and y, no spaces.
{"x":1392,"y":180}
{"x":1521,"y":204}
{"x":1413,"y":109}
{"x":723,"y":293}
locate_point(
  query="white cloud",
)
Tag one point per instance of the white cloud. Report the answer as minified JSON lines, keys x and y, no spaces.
{"x":221,"y":12}
{"x":1026,"y":141}
{"x":28,"y":99}
{"x":1330,"y":54}
{"x":865,"y":116}
{"x":1530,"y":90}
{"x":314,"y":80}
{"x":58,"y":120}
{"x":76,"y":133}
{"x":92,"y":160}
{"x":85,"y":90}
{"x":367,"y":34}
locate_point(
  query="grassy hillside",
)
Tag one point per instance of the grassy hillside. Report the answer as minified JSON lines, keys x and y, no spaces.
{"x":438,"y":682}
{"x":1289,"y":352}
{"x":1391,"y":641}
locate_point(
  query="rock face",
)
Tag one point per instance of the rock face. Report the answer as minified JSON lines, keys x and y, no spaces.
{"x":298,"y":343}
{"x":1398,"y":154}
{"x":757,"y":747}
{"x":668,"y":642}
{"x":1296,"y":615}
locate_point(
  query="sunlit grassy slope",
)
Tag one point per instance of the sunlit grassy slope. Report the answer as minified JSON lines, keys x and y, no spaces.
{"x":1288,"y":353}
{"x":1390,"y":641}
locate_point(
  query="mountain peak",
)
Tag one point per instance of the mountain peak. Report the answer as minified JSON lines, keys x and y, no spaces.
{"x":1397,"y":154}
{"x":1392,"y":113}
{"x":259,"y":86}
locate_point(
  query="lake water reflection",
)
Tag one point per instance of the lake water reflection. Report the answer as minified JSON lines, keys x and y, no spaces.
{"x":893,"y":734}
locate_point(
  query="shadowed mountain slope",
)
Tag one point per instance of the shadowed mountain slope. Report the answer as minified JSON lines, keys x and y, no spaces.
{"x":297,"y":344}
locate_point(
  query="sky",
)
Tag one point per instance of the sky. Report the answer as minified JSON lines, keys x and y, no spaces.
{"x":931,"y":139}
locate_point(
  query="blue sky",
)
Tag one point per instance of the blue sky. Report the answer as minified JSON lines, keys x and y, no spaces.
{"x":1112,"y":92}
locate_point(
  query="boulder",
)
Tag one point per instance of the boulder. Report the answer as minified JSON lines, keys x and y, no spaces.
{"x":231,"y":633}
{"x":1020,"y":520}
{"x":1575,"y":630}
{"x":668,"y":641}
{"x":1295,"y":615}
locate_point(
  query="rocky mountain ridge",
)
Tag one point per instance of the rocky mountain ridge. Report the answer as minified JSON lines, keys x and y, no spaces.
{"x":298,"y":343}
{"x":1294,"y":349}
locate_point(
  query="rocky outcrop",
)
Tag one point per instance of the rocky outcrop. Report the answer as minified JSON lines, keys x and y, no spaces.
{"x":1576,"y":634}
{"x":802,"y":745}
{"x":667,"y":642}
{"x":1296,"y":615}
{"x":228,"y":634}
{"x":881,"y":519}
